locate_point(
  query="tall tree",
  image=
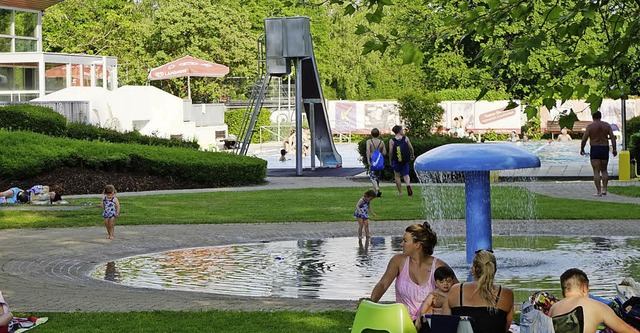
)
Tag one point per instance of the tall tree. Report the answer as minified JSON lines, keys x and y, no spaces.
{"x":538,"y":50}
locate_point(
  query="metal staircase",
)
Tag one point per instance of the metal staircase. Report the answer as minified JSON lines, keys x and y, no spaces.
{"x":258,"y":92}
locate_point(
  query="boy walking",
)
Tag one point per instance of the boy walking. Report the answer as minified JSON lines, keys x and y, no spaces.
{"x":401,"y":155}
{"x":374,"y":144}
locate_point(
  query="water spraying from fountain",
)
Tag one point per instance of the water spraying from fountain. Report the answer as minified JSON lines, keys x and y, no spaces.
{"x":475,"y":162}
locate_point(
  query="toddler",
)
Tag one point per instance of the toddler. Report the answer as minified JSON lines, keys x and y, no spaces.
{"x":445,"y":278}
{"x":362,"y":212}
{"x":111,"y":211}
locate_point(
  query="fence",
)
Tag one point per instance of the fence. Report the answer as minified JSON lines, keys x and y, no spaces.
{"x":77,"y":112}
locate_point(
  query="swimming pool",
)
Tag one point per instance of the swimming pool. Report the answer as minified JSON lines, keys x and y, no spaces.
{"x":560,"y":153}
{"x":346,"y":269}
{"x":550,"y":153}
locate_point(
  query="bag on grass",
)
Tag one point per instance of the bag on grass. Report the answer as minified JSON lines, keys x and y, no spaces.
{"x":631,"y":311}
{"x":39,"y":195}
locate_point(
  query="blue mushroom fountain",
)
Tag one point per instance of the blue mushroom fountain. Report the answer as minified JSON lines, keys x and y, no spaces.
{"x":476,"y":161}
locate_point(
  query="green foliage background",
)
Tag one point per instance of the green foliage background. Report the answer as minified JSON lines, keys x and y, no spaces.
{"x":145,"y":34}
{"x":234,"y":118}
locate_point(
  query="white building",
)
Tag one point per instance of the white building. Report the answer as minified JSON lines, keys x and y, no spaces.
{"x":26,"y":72}
{"x":88,"y":85}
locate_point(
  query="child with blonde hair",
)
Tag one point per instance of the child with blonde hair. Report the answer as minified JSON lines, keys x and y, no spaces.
{"x":111,"y":209}
{"x":362,"y":212}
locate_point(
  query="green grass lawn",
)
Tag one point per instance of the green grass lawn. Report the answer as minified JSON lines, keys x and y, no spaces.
{"x":264,"y":206}
{"x":628,"y":191}
{"x":196,"y":321}
{"x":304,"y":205}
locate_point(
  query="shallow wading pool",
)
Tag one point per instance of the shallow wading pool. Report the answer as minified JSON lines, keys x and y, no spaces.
{"x":346,"y":269}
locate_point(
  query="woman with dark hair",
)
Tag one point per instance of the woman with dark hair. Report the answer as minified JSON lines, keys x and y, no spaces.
{"x":412,"y":269}
{"x":490,"y":305}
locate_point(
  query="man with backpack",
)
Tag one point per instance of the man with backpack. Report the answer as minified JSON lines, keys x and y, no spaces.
{"x":375,"y":156}
{"x":402,"y":154}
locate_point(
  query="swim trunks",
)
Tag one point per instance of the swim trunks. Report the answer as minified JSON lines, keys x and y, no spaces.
{"x":400,"y":167}
{"x":599,"y":152}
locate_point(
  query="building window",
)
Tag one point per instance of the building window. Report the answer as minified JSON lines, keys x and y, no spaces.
{"x":6,"y":17}
{"x":25,"y":24}
{"x":26,"y":45}
{"x":18,"y":31}
{"x":5,"y":44}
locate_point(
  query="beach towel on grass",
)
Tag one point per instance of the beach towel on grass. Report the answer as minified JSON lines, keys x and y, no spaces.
{"x":19,"y":325}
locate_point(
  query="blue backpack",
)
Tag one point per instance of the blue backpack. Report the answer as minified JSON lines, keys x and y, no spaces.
{"x":377,"y":160}
{"x":400,"y":151}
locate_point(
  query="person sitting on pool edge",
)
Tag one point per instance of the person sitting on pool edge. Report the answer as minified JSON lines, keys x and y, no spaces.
{"x":577,"y":313}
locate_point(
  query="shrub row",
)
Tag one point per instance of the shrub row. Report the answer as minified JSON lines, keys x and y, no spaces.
{"x":25,"y":117}
{"x":40,"y":119}
{"x":82,"y":131}
{"x":420,"y":146}
{"x":37,"y":154}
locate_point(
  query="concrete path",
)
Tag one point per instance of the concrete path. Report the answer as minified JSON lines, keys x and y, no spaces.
{"x":47,"y":269}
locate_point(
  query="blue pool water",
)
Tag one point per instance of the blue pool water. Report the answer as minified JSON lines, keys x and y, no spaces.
{"x":554,"y":153}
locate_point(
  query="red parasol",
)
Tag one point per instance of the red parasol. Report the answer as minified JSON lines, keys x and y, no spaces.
{"x":188,"y":66}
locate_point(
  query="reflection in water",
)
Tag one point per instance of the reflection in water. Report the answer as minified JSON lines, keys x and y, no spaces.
{"x":344,"y":268}
{"x":110,"y":272}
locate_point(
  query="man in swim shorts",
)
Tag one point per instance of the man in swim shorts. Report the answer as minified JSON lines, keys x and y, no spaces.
{"x":577,"y":313}
{"x":599,"y":133}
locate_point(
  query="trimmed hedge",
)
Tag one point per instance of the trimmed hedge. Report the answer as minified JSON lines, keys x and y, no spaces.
{"x":82,"y":131}
{"x":39,"y":119}
{"x":420,"y":146}
{"x":37,"y":154}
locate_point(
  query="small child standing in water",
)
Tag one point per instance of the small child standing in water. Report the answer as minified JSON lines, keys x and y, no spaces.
{"x":362,"y":212}
{"x":111,"y":211}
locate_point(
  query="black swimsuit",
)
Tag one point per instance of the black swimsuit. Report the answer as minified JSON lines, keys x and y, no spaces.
{"x":484,"y":320}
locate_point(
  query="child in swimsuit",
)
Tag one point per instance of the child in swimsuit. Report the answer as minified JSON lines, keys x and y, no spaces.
{"x":362,"y":212}
{"x":111,"y":209}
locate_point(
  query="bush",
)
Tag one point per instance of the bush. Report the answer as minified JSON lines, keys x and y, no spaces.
{"x":491,"y":135}
{"x":633,"y":127}
{"x":39,"y":154}
{"x":420,"y":112}
{"x":634,"y":146}
{"x":234,"y":119}
{"x":33,"y":118}
{"x":469,"y":94}
{"x":82,"y":131}
{"x":420,"y":146}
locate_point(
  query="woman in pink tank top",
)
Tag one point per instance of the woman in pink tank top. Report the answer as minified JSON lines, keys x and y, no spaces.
{"x":412,"y":269}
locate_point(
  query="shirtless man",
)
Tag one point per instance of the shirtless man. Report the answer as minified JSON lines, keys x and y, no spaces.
{"x":599,"y":133}
{"x":575,"y":289}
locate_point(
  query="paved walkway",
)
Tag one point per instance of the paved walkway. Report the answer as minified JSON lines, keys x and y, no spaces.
{"x":47,"y":269}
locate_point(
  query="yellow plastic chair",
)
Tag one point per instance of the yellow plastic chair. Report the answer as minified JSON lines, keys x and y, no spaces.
{"x":392,"y":318}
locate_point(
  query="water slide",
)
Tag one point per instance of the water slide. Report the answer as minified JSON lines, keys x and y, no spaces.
{"x":288,"y":40}
{"x":324,"y":147}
